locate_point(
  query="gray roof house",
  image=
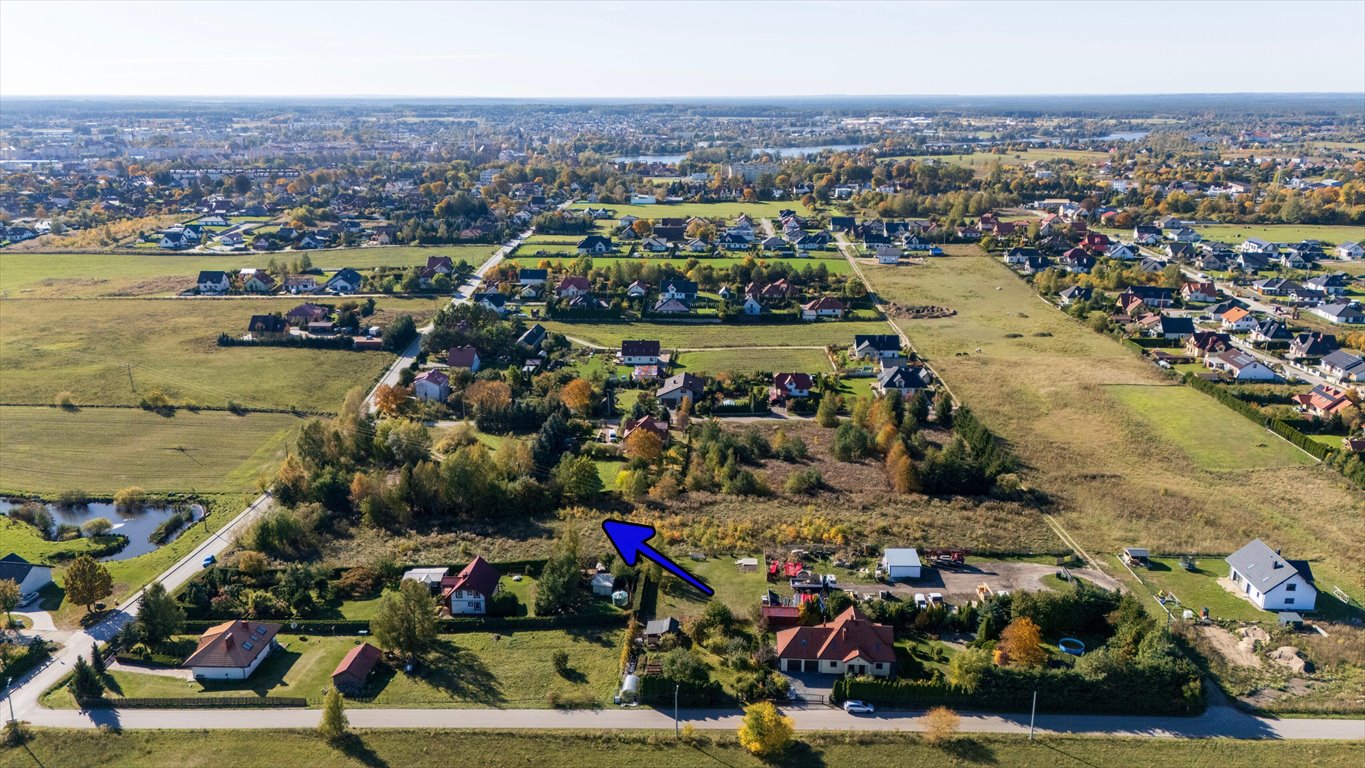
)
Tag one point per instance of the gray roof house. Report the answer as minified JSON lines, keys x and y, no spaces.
{"x":29,"y":576}
{"x":1270,"y":581}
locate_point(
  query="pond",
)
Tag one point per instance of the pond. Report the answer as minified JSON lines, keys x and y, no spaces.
{"x":137,"y":526}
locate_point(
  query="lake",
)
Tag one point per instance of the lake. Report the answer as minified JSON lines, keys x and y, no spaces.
{"x":137,"y":526}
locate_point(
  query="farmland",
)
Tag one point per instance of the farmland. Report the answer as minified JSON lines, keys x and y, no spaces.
{"x":566,"y":254}
{"x":983,"y":160}
{"x":756,"y":210}
{"x":716,"y":335}
{"x":1044,"y":382}
{"x":100,"y":450}
{"x":115,"y":352}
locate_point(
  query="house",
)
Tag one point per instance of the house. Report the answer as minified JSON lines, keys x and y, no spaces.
{"x":867,"y":346}
{"x":905,"y":379}
{"x":259,"y":282}
{"x":1151,"y":266}
{"x":572,"y":286}
{"x":653,"y":244}
{"x":300,"y":284}
{"x":1146,"y":234}
{"x":1342,"y":366}
{"x":657,"y":427}
{"x":1240,"y":366}
{"x":751,"y":306}
{"x":431,"y":385}
{"x":842,"y":223}
{"x":587,"y":302}
{"x":1270,"y":581}
{"x":29,"y":576}
{"x":232,"y":650}
{"x":825,"y":306}
{"x":594,"y":244}
{"x":470,"y":591}
{"x":887,"y":254}
{"x":463,"y":357}
{"x":786,"y":385}
{"x":1334,"y":284}
{"x":637,"y":290}
{"x":532,"y":276}
{"x":1077,"y":261}
{"x":1096,"y":242}
{"x":666,"y":306}
{"x":1341,"y":313}
{"x":1252,"y":263}
{"x":267,"y":327}
{"x":1350,"y":251}
{"x":1203,"y":343}
{"x":1269,"y":330}
{"x":1199,"y":291}
{"x":1311,"y":345}
{"x":657,"y":629}
{"x":354,"y":669}
{"x":231,"y":239}
{"x":678,"y":288}
{"x":639,"y":352}
{"x":346,"y":280}
{"x":849,"y":645}
{"x":1274,"y":286}
{"x":1017,"y":257}
{"x":213,"y":281}
{"x":1324,"y":400}
{"x":1074,"y":294}
{"x":171,"y":240}
{"x":1238,"y":319}
{"x":493,"y":301}
{"x":678,"y":387}
{"x":533,"y":336}
{"x":431,"y":577}
{"x":1122,"y":252}
{"x":1167,"y":327}
{"x":774,"y":243}
{"x":901,"y":564}
{"x":1258,"y":246}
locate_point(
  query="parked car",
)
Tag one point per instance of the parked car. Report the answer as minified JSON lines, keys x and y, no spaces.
{"x":210,"y":560}
{"x":920,"y":602}
{"x":936,"y":598}
{"x":855,"y":707}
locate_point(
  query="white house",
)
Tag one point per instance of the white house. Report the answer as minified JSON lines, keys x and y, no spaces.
{"x":1240,"y":366}
{"x":213,"y":281}
{"x":640,"y":352}
{"x":887,"y":254}
{"x":232,"y":650}
{"x":1350,"y":251}
{"x":1341,"y":313}
{"x":1270,"y":581}
{"x":29,"y":576}
{"x":470,"y":591}
{"x":901,"y":564}
{"x":431,"y":385}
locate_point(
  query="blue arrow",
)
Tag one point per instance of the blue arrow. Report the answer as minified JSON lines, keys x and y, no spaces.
{"x":629,"y":539}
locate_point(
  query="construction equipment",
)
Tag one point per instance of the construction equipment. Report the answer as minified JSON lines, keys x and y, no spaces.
{"x":984,"y":592}
{"x":946,"y":558}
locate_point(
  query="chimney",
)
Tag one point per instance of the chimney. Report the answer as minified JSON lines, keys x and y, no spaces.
{"x":228,"y":643}
{"x":843,"y":633}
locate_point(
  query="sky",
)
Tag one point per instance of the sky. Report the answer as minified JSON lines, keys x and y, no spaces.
{"x":665,"y":49}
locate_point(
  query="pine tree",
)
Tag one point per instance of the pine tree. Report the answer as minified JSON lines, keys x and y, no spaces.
{"x":85,"y":683}
{"x":97,"y":661}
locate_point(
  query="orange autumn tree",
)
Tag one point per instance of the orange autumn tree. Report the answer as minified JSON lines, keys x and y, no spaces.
{"x":1022,"y":643}
{"x":644,"y":445}
{"x":488,"y":394}
{"x":390,"y":400}
{"x":577,"y":396}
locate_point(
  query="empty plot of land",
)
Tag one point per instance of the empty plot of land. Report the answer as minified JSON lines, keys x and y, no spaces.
{"x":1045,"y":383}
{"x":99,"y":450}
{"x":750,"y":360}
{"x":763,"y":209}
{"x":711,"y":335}
{"x":566,"y":254}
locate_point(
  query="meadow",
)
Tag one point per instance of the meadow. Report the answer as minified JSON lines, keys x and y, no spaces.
{"x":1045,"y":383}
{"x":87,"y":275}
{"x":727,"y":210}
{"x":558,"y":256}
{"x":718,"y":335}
{"x":983,"y":160}
{"x":48,"y":450}
{"x":748,"y":361}
{"x":113,"y":352}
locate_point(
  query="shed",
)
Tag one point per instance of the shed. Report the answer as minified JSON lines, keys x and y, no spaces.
{"x":747,"y":564}
{"x":1137,"y":556}
{"x":901,"y":563}
{"x":350,"y":675}
{"x":603,"y":584}
{"x":656,"y":629}
{"x":1289,"y":618}
{"x":428,"y":576}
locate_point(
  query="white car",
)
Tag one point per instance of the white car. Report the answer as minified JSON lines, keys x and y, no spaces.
{"x":936,"y":598}
{"x":920,"y":602}
{"x":855,"y":707}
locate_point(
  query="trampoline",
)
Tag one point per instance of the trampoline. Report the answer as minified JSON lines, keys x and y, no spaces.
{"x":1071,"y":645}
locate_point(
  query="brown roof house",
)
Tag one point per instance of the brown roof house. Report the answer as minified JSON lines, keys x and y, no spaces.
{"x":470,"y":591}
{"x":232,"y":650}
{"x":350,"y":675}
{"x":849,"y":645}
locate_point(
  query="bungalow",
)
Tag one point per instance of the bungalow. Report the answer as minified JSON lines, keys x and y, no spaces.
{"x":849,"y":645}
{"x":1315,"y":344}
{"x":464,"y":358}
{"x":1169,"y":222}
{"x":1341,"y":313}
{"x":637,"y":289}
{"x":30,"y":577}
{"x":533,"y":336}
{"x":1167,"y":327}
{"x":354,"y":669}
{"x":232,"y":650}
{"x":640,"y":352}
{"x":1258,"y":246}
{"x":213,"y":281}
{"x":733,"y":241}
{"x":1342,"y":366}
{"x":787,"y":385}
{"x":1350,"y":251}
{"x":867,"y":346}
{"x":1324,"y":400}
{"x":1152,"y":296}
{"x":1181,"y":235}
{"x":346,"y":280}
{"x":1268,"y":330}
{"x":571,"y":286}
{"x":1122,"y":252}
{"x":774,"y":243}
{"x":594,"y":244}
{"x":677,"y":288}
{"x":532,"y":276}
{"x":678,"y":387}
{"x":470,"y":591}
{"x":588,"y":302}
{"x":1240,"y":366}
{"x":905,"y":379}
{"x":494,"y":301}
{"x":304,"y":314}
{"x":1075,"y":294}
{"x":1270,"y":581}
{"x":431,"y":385}
{"x":1274,"y":286}
{"x":811,"y":243}
{"x":1237,"y":320}
{"x":267,"y":327}
{"x":440,"y":265}
{"x":1200,"y":344}
{"x":666,"y":306}
{"x":259,"y":282}
{"x":825,"y":306}
{"x":231,"y":239}
{"x":300,"y":284}
{"x":654,"y":244}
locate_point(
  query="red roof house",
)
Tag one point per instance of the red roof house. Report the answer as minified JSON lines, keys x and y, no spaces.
{"x":851,"y":644}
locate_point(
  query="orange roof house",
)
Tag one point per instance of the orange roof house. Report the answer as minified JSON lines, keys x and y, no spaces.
{"x":232,"y":650}
{"x":851,"y":644}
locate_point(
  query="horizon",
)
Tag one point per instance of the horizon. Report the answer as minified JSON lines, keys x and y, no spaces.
{"x":488,"y":50}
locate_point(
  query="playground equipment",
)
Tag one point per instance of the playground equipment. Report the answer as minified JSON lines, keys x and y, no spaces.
{"x":1071,"y":645}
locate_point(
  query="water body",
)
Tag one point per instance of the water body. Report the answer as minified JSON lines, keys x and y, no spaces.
{"x":137,"y":526}
{"x":774,"y":151}
{"x":1126,"y":136}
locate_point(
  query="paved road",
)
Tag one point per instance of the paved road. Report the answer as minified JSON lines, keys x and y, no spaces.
{"x":27,"y":689}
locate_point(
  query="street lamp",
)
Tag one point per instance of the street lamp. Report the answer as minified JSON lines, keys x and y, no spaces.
{"x":9,"y":694}
{"x":1032,"y":714}
{"x":676,"y":732}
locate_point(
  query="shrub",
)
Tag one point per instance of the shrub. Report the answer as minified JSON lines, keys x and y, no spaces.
{"x":131,"y":498}
{"x":804,"y":482}
{"x":98,"y":526}
{"x":358,"y":582}
{"x":560,"y":659}
{"x":940,"y":725}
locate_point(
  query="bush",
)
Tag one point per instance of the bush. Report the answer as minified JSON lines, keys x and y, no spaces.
{"x":804,"y":481}
{"x":132,"y":498}
{"x":851,"y":442}
{"x":359,"y":582}
{"x":560,"y":659}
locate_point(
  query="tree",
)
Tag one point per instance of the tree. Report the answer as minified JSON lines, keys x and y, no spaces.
{"x":943,"y":411}
{"x":644,"y":445}
{"x":1022,"y":643}
{"x":252,"y":563}
{"x":400,"y":334}
{"x":389,"y":400}
{"x":333,"y":725}
{"x":558,"y":590}
{"x":578,"y":477}
{"x":97,"y":661}
{"x":851,"y":443}
{"x":940,"y":725}
{"x":966,"y":668}
{"x":88,"y":582}
{"x":577,"y":396}
{"x":488,"y":394}
{"x":9,"y":598}
{"x":827,"y":413}
{"x":405,"y":621}
{"x":98,"y":526}
{"x":765,"y":732}
{"x":85,"y":682}
{"x":160,"y":616}
{"x":131,"y":498}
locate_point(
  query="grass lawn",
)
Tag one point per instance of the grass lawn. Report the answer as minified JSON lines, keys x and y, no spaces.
{"x":113,"y":352}
{"x":707,"y":336}
{"x":475,"y":669}
{"x":1200,"y":589}
{"x":741,"y":591}
{"x":83,"y":275}
{"x":48,"y":450}
{"x":1046,"y":384}
{"x":747,"y":361}
{"x":607,"y":471}
{"x":1282,"y":233}
{"x":562,"y":749}
{"x":756,"y":210}
{"x":526,"y":257}
{"x":1193,"y":421}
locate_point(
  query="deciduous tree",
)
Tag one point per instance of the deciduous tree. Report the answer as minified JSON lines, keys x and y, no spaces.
{"x":765,"y":732}
{"x":577,"y":395}
{"x":88,"y":582}
{"x":1022,"y":643}
{"x":405,"y":621}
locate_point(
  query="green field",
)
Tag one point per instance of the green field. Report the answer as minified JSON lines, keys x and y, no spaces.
{"x":1281,"y":233}
{"x":84,"y":275}
{"x":1199,"y":589}
{"x":706,"y":336}
{"x":747,"y":361}
{"x":983,"y":160}
{"x":114,"y":352}
{"x":740,"y":591}
{"x":715,"y":749}
{"x":833,"y":261}
{"x":761,"y":209}
{"x":100,"y":450}
{"x":1194,"y":422}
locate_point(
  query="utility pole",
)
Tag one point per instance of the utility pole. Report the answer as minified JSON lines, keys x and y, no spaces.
{"x":9,"y":694}
{"x":131,"y":385}
{"x":1032,"y":714}
{"x":676,"y":732}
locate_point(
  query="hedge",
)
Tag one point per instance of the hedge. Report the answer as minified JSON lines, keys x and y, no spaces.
{"x":445,"y":626}
{"x":304,"y":342}
{"x":19,"y":664}
{"x":659,"y":690}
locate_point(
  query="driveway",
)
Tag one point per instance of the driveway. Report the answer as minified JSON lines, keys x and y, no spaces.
{"x":959,"y":584}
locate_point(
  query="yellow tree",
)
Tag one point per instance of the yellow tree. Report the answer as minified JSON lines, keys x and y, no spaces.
{"x":389,"y":400}
{"x":577,"y":395}
{"x":940,"y":725}
{"x":644,"y":445}
{"x":1022,"y":642}
{"x":488,"y":393}
{"x":765,"y":732}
